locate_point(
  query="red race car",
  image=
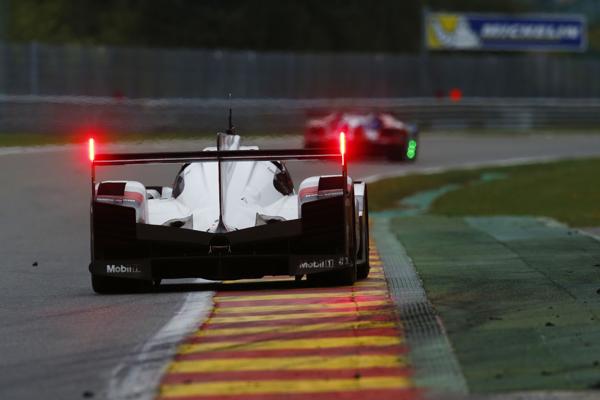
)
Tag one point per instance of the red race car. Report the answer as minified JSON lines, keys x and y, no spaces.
{"x":370,"y":134}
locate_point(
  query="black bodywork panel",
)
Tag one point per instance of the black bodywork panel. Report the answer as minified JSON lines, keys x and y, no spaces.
{"x":126,"y":249}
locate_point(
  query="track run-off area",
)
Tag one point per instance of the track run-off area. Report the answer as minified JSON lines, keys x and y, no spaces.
{"x":233,"y":340}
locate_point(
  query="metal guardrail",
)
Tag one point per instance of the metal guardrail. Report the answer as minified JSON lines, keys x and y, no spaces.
{"x":65,"y":70}
{"x":68,"y":114}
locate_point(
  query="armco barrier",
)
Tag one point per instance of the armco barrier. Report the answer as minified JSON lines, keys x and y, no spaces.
{"x":66,"y":114}
{"x":73,"y":70}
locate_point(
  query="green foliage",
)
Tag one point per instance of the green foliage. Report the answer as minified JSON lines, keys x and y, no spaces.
{"x":355,"y":25}
{"x":502,"y":6}
{"x":299,"y":25}
{"x":270,"y":25}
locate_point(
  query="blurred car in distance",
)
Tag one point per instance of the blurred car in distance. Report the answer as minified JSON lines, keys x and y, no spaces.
{"x":368,"y":135}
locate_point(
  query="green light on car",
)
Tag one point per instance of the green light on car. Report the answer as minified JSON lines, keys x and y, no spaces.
{"x":411,"y":150}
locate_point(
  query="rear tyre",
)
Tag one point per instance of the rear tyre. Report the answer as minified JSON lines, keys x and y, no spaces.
{"x":401,"y":152}
{"x":345,"y":277}
{"x":340,"y":277}
{"x":110,"y":285}
{"x":363,"y":269}
{"x":397,"y":153}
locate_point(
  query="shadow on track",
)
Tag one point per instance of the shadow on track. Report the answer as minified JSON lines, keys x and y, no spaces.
{"x":243,"y":285}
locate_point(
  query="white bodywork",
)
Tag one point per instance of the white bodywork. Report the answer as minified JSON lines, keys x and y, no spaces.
{"x":326,"y":232}
{"x":249,"y":194}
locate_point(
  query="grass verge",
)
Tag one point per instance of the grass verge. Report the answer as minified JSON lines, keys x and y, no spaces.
{"x":40,"y":139}
{"x":519,"y":298}
{"x":564,"y":190}
{"x":33,"y":139}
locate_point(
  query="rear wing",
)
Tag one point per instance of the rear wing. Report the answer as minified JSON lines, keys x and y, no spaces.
{"x":114,"y":159}
{"x":108,"y":159}
{"x":207,"y":156}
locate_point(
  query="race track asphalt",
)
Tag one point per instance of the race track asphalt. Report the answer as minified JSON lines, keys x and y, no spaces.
{"x":60,"y":340}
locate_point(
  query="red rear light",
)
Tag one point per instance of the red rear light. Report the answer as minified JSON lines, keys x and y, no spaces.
{"x":456,"y":94}
{"x":91,"y":149}
{"x":343,"y":146}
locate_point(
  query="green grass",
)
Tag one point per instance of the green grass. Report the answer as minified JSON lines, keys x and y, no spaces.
{"x":32,"y":139}
{"x":568,"y":191}
{"x":41,"y":139}
{"x":519,"y":298}
{"x":517,"y":132}
{"x":388,"y":193}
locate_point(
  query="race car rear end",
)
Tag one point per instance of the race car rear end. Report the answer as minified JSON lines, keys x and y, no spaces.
{"x":328,"y":238}
{"x":369,"y":135}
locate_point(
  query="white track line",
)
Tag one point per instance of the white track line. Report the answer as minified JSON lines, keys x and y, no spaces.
{"x":138,"y":376}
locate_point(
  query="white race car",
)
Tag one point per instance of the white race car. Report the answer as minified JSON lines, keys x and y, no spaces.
{"x":232,"y":213}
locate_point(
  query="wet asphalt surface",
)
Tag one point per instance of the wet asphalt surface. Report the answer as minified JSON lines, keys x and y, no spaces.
{"x":60,"y":340}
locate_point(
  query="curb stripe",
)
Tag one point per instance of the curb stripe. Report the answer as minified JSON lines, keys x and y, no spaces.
{"x":292,"y":344}
{"x":284,"y":386}
{"x":278,"y":339}
{"x":287,"y":317}
{"x":315,"y":334}
{"x":267,"y":375}
{"x":288,"y":363}
{"x":335,"y":351}
{"x":326,"y":326}
{"x":314,"y":300}
{"x":289,"y":296}
{"x":392,"y":394}
{"x":287,"y":308}
{"x":307,"y":321}
{"x":299,"y":289}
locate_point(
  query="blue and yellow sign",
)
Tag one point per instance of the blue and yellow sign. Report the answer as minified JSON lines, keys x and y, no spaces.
{"x":481,"y":32}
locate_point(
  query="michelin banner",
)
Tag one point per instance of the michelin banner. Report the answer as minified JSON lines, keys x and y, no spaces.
{"x":480,"y":32}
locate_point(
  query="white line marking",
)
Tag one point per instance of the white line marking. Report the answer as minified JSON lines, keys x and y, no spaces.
{"x":138,"y":376}
{"x":593,"y":233}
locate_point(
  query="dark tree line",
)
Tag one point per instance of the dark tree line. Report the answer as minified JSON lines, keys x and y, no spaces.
{"x":299,"y":25}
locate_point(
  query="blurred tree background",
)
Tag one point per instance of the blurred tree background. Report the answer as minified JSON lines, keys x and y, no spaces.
{"x":297,"y":25}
